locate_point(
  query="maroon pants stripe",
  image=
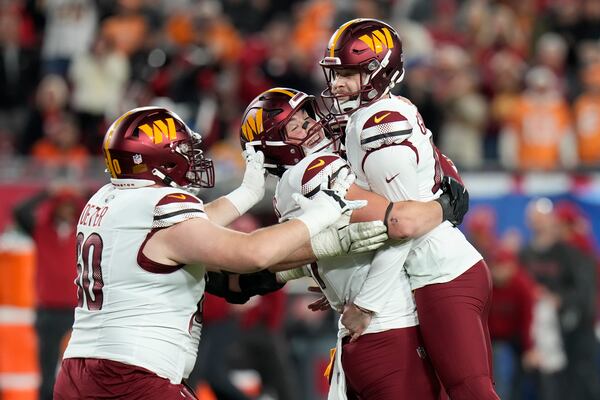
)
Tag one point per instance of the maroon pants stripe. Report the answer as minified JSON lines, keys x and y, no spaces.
{"x":453,"y":322}
{"x":389,"y":365}
{"x":90,"y":378}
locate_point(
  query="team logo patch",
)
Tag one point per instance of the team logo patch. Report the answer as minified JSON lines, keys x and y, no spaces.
{"x":384,"y":128}
{"x":378,"y":40}
{"x":253,"y":126}
{"x":384,"y":117}
{"x":320,"y":163}
{"x":160,"y":130}
{"x":137,"y":158}
{"x":316,"y":166}
{"x":321,"y":169}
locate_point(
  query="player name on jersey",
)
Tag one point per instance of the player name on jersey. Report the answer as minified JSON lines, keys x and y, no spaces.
{"x":92,"y":215}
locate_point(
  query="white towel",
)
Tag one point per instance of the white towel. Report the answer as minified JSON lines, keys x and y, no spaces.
{"x":337,"y":388}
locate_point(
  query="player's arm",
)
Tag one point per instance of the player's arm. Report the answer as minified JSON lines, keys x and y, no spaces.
{"x":238,"y":289}
{"x":226,"y":209}
{"x":404,"y":218}
{"x":200,"y":241}
{"x":221,"y":211}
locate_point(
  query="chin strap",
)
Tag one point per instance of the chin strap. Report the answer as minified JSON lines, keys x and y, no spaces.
{"x":131,"y":183}
{"x":166,"y":180}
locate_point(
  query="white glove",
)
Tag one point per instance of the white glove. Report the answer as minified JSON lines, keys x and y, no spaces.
{"x":252,"y":189}
{"x":328,"y":205}
{"x":357,"y":237}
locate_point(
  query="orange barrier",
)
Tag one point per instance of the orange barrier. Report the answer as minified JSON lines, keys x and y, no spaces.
{"x":19,"y":372}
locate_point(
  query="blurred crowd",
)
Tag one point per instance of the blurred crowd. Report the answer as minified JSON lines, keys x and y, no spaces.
{"x":501,"y":83}
{"x":545,"y":301}
{"x":511,"y":84}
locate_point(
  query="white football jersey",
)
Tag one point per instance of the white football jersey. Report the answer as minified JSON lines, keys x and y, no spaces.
{"x":341,"y":278}
{"x":131,"y":309}
{"x":390,"y":151}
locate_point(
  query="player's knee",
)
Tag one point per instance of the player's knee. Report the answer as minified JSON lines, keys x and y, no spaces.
{"x":473,"y":388}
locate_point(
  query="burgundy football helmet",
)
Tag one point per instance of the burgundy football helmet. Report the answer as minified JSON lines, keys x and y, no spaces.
{"x":370,"y":47}
{"x":154,"y":144}
{"x":263,"y":127}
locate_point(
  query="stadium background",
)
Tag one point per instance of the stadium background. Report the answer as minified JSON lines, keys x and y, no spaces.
{"x":69,"y":67}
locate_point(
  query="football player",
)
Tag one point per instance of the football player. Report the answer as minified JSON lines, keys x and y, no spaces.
{"x":391,"y":152}
{"x":144,"y":243}
{"x":288,"y":127}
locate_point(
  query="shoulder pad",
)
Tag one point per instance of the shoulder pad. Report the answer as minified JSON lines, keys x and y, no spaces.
{"x":384,"y":127}
{"x":177,"y":207}
{"x":320,"y":170}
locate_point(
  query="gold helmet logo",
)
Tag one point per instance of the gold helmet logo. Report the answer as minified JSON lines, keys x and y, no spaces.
{"x":160,"y":129}
{"x":378,"y":40}
{"x":253,"y":126}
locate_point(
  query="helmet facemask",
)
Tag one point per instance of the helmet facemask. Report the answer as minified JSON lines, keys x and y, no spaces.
{"x":319,"y":137}
{"x":201,"y":172}
{"x":370,"y":89}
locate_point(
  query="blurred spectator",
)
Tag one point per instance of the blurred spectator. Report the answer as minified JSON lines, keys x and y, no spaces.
{"x":51,"y":101}
{"x":567,"y":281}
{"x":60,"y":148}
{"x":250,"y":16}
{"x":214,"y":31}
{"x":18,"y":72}
{"x":127,"y":28}
{"x":220,"y":329}
{"x":70,"y":29}
{"x":551,"y":52}
{"x":481,"y":230}
{"x":98,"y":79}
{"x":587,"y":117}
{"x":261,"y":344}
{"x":492,"y":27}
{"x":502,"y":80}
{"x":313,"y":29}
{"x":50,"y":218}
{"x":417,"y":88}
{"x":442,"y":25}
{"x":588,"y":27}
{"x":510,"y":323}
{"x":575,"y":227}
{"x":577,"y":231}
{"x":538,"y":134}
{"x":465,"y":110}
{"x":270,"y":59}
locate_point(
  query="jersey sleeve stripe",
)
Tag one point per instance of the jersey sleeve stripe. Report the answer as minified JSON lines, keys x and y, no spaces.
{"x":406,"y":143}
{"x":175,"y":213}
{"x":385,"y":135}
{"x":312,"y":192}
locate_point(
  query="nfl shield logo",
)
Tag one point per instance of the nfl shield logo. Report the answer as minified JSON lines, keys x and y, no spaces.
{"x":137,"y":158}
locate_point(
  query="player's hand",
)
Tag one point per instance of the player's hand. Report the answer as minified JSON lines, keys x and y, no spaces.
{"x":252,"y":189}
{"x":355,"y":320}
{"x":333,"y":198}
{"x":454,"y":200}
{"x":328,"y":205}
{"x":259,"y":283}
{"x":254,"y":175}
{"x":349,"y":238}
{"x":322,"y":304}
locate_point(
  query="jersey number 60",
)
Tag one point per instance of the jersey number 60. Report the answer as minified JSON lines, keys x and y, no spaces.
{"x":90,"y":254}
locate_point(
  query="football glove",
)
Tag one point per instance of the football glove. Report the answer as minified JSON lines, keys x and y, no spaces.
{"x":350,"y":238}
{"x":252,"y":189}
{"x":454,"y":200}
{"x":328,"y":205}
